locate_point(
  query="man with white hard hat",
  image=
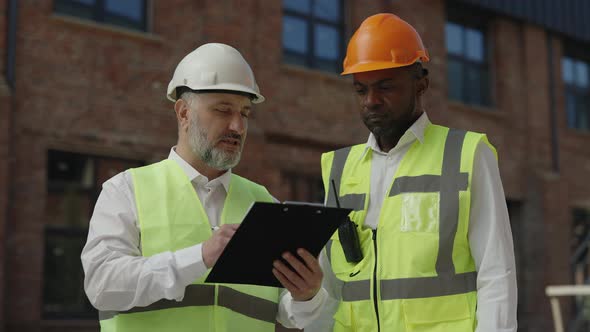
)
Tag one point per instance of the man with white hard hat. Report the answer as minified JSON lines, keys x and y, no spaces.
{"x":156,"y":230}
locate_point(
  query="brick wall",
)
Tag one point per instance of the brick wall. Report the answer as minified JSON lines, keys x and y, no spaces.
{"x":4,"y":157}
{"x":86,"y":88}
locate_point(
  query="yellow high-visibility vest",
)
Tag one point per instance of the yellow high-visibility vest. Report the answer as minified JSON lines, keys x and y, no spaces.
{"x":417,"y":273}
{"x":171,"y":217}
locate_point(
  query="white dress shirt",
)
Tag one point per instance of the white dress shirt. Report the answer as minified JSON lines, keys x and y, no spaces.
{"x":118,"y":277}
{"x":490,"y":238}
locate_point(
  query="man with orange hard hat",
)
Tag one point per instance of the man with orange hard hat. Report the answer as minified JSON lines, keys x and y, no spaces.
{"x":431,"y":248}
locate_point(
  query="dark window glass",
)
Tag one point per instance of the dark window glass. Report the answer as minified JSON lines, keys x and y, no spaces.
{"x":313,"y":33}
{"x":326,"y":42}
{"x":300,"y":6}
{"x":454,"y":38}
{"x":304,"y":187}
{"x":575,"y":76}
{"x":474,"y":45}
{"x":468,"y":68}
{"x":73,"y":184}
{"x":125,"y":13}
{"x":455,"y":74}
{"x":295,"y":35}
{"x":131,"y":9}
{"x":567,"y":70}
{"x":327,"y":9}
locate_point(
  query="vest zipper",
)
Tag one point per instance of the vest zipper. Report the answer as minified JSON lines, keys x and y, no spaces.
{"x":375,"y":301}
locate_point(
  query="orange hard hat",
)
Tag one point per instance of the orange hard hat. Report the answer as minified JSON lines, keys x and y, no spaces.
{"x":383,"y":41}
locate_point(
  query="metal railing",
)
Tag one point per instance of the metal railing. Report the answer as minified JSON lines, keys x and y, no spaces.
{"x":581,"y":271}
{"x":564,"y":290}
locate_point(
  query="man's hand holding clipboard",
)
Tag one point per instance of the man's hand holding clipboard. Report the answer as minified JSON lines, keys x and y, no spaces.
{"x":277,"y":245}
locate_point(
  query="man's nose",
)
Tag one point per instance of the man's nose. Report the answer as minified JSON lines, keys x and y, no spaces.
{"x":238,"y":123}
{"x":373,"y":98}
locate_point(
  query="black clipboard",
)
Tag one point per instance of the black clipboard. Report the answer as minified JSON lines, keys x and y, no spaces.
{"x":267,"y":231}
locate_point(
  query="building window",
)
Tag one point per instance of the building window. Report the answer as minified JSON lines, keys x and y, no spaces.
{"x":313,"y":33}
{"x":129,"y":14}
{"x":574,"y":72}
{"x":304,"y":188}
{"x":73,"y":184}
{"x":467,"y":61}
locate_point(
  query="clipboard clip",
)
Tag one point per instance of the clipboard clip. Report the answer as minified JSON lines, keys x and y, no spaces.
{"x":348,"y":235}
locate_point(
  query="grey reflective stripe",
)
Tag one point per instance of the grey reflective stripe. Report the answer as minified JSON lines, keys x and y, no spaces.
{"x":449,"y":183}
{"x":449,"y":201}
{"x":412,"y":288}
{"x":425,"y":184}
{"x":329,"y":250}
{"x":194,"y":295}
{"x":204,"y":295}
{"x":249,"y":305}
{"x":357,"y":290}
{"x":351,"y":201}
{"x":415,"y":184}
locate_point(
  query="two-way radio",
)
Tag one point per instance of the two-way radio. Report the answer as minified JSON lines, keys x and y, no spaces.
{"x":348,"y":235}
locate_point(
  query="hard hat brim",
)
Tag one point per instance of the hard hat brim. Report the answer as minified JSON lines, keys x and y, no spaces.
{"x":258,"y":98}
{"x":380,"y":65}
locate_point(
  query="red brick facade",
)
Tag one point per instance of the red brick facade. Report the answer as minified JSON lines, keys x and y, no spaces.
{"x":88,"y":88}
{"x":5,"y":111}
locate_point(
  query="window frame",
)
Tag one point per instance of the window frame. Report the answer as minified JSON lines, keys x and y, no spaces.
{"x":73,"y":231}
{"x":309,"y":58}
{"x":471,"y":18}
{"x":576,"y":53}
{"x":293,"y":178}
{"x":99,"y":14}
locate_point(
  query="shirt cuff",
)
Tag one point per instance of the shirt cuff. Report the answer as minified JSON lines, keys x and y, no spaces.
{"x":310,"y":305}
{"x":190,"y":264}
{"x":299,"y":314}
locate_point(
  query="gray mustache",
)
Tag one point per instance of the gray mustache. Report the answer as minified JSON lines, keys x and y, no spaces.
{"x":232,"y":136}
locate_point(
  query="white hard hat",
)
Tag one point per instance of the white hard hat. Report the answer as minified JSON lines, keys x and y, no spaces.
{"x":217,"y":67}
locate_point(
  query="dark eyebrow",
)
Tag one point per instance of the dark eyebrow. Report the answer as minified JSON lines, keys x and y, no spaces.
{"x":374,"y":83}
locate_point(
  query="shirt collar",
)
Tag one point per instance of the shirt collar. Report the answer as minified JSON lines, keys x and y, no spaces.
{"x":196,"y":177}
{"x":415,"y":132}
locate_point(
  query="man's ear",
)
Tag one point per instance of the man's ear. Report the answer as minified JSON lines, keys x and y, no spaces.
{"x":422,"y":85}
{"x":182,"y":109}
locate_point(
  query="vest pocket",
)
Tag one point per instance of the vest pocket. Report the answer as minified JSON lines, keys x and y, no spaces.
{"x":438,"y":314}
{"x":345,"y":270}
{"x":420,"y":212}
